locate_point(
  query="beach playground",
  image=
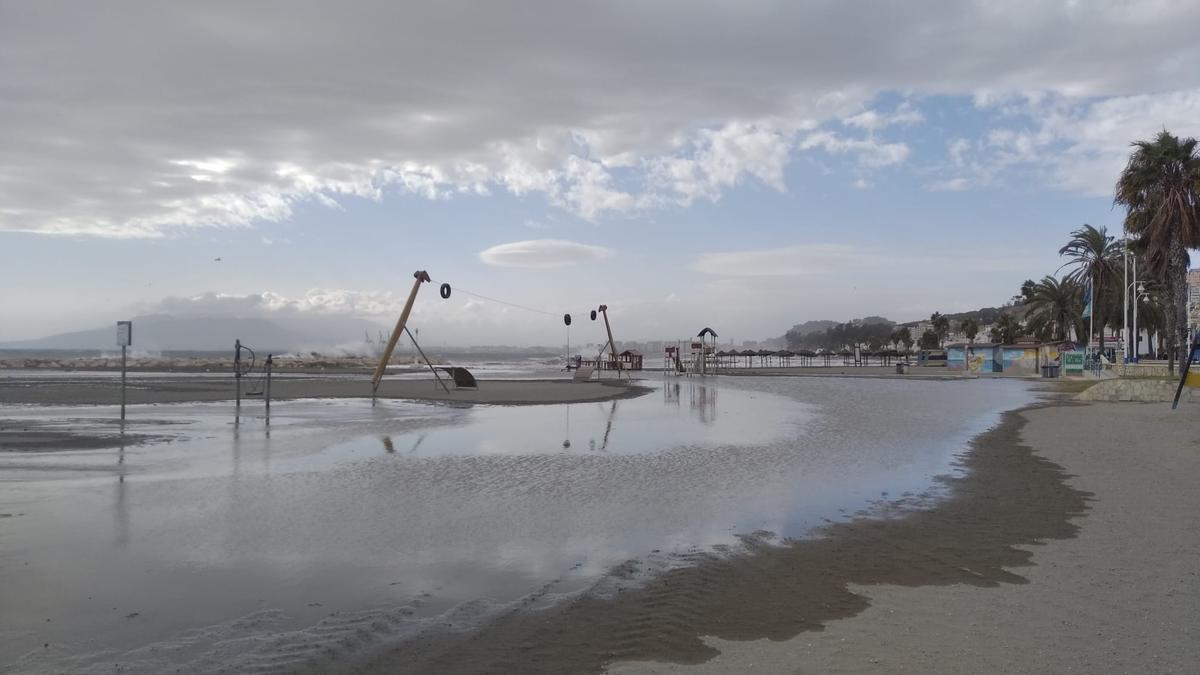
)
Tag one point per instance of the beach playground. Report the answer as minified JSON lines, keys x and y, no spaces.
{"x":862,"y":524}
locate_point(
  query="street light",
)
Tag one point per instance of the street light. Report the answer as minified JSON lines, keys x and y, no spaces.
{"x":1139,"y":293}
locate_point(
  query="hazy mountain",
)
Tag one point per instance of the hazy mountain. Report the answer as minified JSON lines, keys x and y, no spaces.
{"x":818,"y":326}
{"x":161,"y":332}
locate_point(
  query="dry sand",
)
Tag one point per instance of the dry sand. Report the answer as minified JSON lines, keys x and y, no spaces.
{"x":94,"y":391}
{"x":1026,"y":566}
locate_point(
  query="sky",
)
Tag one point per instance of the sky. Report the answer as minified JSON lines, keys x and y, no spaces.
{"x":745,"y":165}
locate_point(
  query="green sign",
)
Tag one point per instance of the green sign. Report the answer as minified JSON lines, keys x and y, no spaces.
{"x":1072,"y":363}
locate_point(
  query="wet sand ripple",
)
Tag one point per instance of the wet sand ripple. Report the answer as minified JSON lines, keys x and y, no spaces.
{"x":1007,"y":498}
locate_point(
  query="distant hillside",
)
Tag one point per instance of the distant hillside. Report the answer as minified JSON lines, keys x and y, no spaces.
{"x":161,"y":332}
{"x":818,"y":326}
{"x":983,"y":316}
{"x":825,"y":334}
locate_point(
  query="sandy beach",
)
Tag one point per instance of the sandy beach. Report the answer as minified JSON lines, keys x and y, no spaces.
{"x":1068,"y":546}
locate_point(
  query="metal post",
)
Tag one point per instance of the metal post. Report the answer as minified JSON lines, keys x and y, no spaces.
{"x":267,"y":390}
{"x":1125,"y":301}
{"x":237,"y":381}
{"x":1137,"y":339}
{"x":123,"y":383}
{"x":426,"y":359}
{"x":1092,"y":317}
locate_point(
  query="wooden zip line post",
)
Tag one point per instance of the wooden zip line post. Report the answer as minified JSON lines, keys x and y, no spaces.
{"x":420,"y":276}
{"x":612,"y":346}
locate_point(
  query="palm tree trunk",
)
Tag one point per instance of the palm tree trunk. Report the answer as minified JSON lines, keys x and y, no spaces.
{"x":1177,"y":312}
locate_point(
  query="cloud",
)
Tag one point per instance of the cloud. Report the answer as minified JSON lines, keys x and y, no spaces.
{"x":957,"y":149}
{"x":838,"y":259}
{"x":314,"y":301}
{"x":722,"y":158}
{"x":870,"y":152}
{"x":783,"y":261}
{"x":957,"y":184}
{"x":543,"y":253}
{"x":873,"y":120}
{"x":162,"y":117}
{"x":1075,"y":145}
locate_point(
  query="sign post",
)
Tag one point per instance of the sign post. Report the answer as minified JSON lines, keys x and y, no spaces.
{"x":124,"y":340}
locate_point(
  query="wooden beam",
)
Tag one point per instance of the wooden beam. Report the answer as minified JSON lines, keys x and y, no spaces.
{"x":612,"y":345}
{"x":419,"y":276}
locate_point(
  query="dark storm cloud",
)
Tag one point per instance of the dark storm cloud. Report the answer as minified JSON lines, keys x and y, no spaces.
{"x":127,"y":118}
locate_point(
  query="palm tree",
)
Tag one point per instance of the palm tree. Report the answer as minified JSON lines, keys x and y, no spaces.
{"x":1096,"y":258}
{"x":970,"y":328}
{"x":1054,"y":309}
{"x":941,"y":326}
{"x":1160,"y":190}
{"x":902,"y":334}
{"x":1006,"y":329}
{"x":1027,"y":290}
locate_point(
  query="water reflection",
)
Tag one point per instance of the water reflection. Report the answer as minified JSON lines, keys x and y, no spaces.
{"x":702,"y":399}
{"x":121,"y":509}
{"x":487,"y":502}
{"x":623,"y":426}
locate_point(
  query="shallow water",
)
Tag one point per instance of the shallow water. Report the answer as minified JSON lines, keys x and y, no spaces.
{"x":343,"y":527}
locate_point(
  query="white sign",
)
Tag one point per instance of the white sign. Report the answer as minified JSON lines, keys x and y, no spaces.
{"x":124,"y":333}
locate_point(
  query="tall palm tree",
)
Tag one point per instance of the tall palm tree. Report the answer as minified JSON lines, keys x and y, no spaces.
{"x":1160,"y":190}
{"x":1054,"y":309}
{"x":1095,"y":258}
{"x":941,"y":326}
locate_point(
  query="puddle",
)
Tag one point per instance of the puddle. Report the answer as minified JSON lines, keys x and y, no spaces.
{"x":231,"y":544}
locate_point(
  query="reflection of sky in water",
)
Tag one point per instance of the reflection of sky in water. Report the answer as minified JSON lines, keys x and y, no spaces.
{"x":679,"y":414}
{"x":342,"y":506}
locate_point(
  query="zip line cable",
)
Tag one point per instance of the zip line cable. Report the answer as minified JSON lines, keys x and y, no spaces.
{"x":503,"y":302}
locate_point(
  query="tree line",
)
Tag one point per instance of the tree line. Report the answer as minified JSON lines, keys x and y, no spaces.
{"x":1159,"y":190}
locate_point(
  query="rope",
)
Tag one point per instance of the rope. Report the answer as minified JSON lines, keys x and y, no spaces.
{"x":502,"y":302}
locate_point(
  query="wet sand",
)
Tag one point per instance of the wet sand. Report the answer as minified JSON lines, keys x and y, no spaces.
{"x":183,"y":389}
{"x":1026,"y":566}
{"x":838,"y":370}
{"x":345,"y":529}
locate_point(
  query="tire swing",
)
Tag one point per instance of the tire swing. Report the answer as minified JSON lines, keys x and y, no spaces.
{"x":445,"y":291}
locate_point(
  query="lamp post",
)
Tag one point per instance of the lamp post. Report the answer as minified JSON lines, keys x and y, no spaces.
{"x":1125,"y":303}
{"x":1140,"y":294}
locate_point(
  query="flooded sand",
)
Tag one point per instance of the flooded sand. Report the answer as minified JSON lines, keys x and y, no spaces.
{"x":345,"y":529}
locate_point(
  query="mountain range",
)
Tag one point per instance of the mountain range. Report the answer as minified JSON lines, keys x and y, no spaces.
{"x":164,"y":332}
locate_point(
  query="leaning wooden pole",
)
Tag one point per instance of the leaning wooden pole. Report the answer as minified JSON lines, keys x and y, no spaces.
{"x":612,"y":345}
{"x":420,"y":276}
